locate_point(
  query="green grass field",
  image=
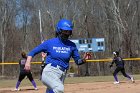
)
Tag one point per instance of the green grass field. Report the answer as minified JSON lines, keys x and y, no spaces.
{"x":69,"y":80}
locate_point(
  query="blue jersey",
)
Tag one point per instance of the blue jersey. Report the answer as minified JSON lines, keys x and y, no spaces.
{"x":58,"y":52}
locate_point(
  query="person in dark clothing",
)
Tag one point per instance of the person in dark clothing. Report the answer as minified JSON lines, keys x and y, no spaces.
{"x":23,"y":73}
{"x":120,"y":67}
{"x":42,"y":64}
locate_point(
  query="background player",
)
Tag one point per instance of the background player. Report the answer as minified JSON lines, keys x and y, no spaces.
{"x":43,"y":63}
{"x":24,"y":73}
{"x":120,"y":67}
{"x":59,"y":51}
{"x":87,"y":55}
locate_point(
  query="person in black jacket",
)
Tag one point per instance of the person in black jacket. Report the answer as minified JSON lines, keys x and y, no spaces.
{"x":23,"y":73}
{"x":120,"y":67}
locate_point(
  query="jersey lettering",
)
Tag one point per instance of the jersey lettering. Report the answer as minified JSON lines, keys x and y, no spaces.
{"x":61,"y":49}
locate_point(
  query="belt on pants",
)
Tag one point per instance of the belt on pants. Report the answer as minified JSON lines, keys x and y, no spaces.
{"x":61,"y":68}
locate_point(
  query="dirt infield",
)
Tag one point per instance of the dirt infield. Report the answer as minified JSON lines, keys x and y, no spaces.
{"x":96,"y":87}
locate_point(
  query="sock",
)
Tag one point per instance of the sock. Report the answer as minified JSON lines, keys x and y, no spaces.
{"x":115,"y":77}
{"x":17,"y":85}
{"x":33,"y":83}
{"x":128,"y":76}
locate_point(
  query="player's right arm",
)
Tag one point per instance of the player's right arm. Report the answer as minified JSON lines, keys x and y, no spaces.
{"x":40,"y":48}
{"x":28,"y":63}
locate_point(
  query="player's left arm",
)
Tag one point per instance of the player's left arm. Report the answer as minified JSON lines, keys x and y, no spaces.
{"x":75,"y":55}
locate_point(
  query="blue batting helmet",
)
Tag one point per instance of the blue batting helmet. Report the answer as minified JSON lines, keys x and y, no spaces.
{"x":64,"y":24}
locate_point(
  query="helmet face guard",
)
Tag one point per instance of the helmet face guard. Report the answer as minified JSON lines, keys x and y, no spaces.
{"x":65,"y":34}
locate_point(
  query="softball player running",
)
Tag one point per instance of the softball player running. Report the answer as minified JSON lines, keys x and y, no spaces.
{"x":59,"y":51}
{"x":24,"y":73}
{"x":120,"y":67}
